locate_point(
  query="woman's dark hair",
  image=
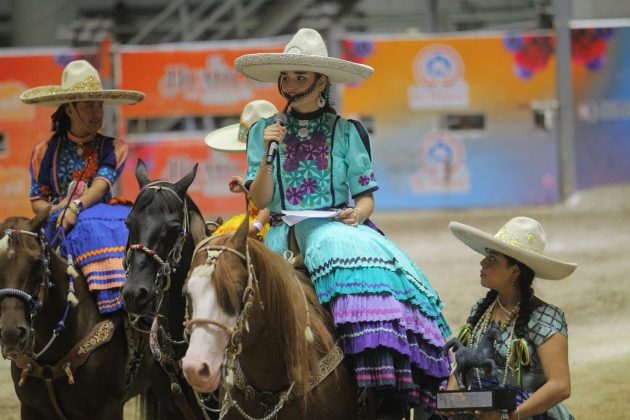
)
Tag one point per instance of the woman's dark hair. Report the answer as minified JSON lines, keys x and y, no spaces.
{"x":60,"y":121}
{"x":524,"y":281}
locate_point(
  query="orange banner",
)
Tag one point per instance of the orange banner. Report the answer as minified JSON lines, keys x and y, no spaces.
{"x":170,"y":157}
{"x":193,"y":79}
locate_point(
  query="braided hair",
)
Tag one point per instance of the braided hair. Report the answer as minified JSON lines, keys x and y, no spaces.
{"x":524,"y":282}
{"x":60,"y":121}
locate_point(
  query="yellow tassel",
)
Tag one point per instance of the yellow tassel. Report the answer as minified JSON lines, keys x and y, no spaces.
{"x":72,"y":272}
{"x":464,"y":334}
{"x":72,"y":299}
{"x":308,"y":333}
{"x":68,"y":371}
{"x":229,"y":378}
{"x":519,"y":357}
{"x":4,"y":244}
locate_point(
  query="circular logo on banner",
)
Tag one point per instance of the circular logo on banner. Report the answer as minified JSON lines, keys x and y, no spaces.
{"x":438,"y":65}
{"x":440,"y":153}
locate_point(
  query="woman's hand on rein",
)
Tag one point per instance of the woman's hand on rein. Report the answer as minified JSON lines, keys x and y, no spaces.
{"x":68,"y":221}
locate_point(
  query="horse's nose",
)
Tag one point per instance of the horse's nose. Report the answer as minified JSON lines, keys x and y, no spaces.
{"x":16,"y":335}
{"x":137,"y":300}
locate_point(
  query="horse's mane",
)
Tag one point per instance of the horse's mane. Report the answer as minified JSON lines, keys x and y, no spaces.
{"x":284,"y":292}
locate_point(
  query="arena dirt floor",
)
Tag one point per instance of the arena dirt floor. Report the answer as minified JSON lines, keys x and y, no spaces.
{"x":591,"y":229}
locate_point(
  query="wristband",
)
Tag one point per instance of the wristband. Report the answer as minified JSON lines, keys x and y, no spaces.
{"x":257,"y":225}
{"x":268,"y":169}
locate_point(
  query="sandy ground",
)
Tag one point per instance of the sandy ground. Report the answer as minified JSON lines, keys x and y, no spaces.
{"x":591,"y":229}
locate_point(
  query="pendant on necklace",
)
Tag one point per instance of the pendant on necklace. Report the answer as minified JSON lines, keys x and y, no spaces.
{"x":303,"y":132}
{"x":80,"y":149}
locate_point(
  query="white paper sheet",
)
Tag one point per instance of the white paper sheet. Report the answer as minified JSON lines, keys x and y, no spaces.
{"x":292,"y":217}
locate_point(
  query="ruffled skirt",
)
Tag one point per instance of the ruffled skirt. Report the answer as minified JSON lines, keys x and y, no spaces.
{"x":388,"y":316}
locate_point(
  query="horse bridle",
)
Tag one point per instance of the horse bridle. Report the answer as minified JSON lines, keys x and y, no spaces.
{"x":34,"y":302}
{"x":168,"y":266}
{"x":37,"y":299}
{"x":231,"y":368}
{"x":250,"y":293}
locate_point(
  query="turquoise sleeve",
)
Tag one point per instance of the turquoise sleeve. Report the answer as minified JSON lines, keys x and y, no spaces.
{"x":255,"y":148}
{"x":360,"y":175}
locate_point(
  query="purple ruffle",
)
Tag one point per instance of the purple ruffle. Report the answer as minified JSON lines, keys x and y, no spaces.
{"x":389,"y":336}
{"x":371,"y":308}
{"x":378,"y":368}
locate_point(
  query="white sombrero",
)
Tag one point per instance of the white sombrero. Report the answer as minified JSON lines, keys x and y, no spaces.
{"x":79,"y":82}
{"x":233,"y":138}
{"x":523,"y":239}
{"x":306,"y":52}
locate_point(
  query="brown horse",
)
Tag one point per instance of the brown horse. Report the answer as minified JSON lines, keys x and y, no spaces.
{"x":281,"y":357}
{"x":67,"y":362}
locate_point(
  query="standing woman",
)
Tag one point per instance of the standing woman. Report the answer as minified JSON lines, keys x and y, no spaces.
{"x":533,"y":346}
{"x":388,"y":316}
{"x":74,"y":170}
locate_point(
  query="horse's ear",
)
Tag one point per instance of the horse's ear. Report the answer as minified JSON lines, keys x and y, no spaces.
{"x":243,"y":230}
{"x":141,"y":174}
{"x":197,"y":227}
{"x":37,"y":223}
{"x":183,"y":184}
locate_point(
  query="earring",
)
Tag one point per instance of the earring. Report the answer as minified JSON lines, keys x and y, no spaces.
{"x":515,"y":282}
{"x":321,"y":102}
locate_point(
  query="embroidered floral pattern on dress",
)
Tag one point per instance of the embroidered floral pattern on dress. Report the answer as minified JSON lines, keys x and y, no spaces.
{"x":365,"y":179}
{"x":306,"y":163}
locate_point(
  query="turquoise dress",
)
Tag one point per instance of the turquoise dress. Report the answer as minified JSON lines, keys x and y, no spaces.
{"x":387,"y":314}
{"x":545,"y":321}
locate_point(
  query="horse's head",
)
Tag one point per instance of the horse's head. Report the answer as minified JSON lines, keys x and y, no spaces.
{"x":220,"y":290}
{"x":158,"y":224}
{"x":243,"y":296}
{"x":24,"y":272}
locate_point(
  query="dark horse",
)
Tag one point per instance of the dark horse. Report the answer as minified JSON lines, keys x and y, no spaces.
{"x":481,"y":356}
{"x":67,"y":362}
{"x":159,"y":251}
{"x":281,"y":357}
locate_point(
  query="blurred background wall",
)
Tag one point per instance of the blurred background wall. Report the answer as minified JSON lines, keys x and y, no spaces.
{"x":473,"y":103}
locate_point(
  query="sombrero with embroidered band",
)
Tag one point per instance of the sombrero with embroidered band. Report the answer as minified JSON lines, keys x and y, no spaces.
{"x":305,"y":52}
{"x":521,"y":238}
{"x":79,"y":82}
{"x":233,"y":138}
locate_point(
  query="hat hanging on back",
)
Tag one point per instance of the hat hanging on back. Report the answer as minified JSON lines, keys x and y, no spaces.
{"x":233,"y":138}
{"x":521,"y":238}
{"x":79,"y":82}
{"x":305,"y":52}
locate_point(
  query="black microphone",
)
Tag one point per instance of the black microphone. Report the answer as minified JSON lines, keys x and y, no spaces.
{"x":279,"y":118}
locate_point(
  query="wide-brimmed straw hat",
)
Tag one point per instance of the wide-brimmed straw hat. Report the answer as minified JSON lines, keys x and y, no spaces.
{"x":305,"y":52}
{"x":233,"y":138}
{"x":521,"y":238}
{"x":79,"y":82}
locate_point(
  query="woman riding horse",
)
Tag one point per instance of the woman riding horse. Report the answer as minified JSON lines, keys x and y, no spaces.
{"x":74,"y":172}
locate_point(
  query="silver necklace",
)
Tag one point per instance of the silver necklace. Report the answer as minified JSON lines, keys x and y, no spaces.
{"x":503,"y":308}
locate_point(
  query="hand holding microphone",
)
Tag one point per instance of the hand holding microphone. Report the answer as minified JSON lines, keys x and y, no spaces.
{"x":273,"y":135}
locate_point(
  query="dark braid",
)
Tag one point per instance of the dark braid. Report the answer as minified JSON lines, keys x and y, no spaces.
{"x":60,"y":121}
{"x":525,"y":280}
{"x":487,"y":301}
